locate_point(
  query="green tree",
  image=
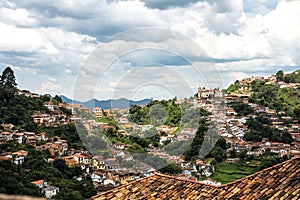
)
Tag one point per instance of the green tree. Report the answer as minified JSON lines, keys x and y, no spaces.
{"x":194,"y":150}
{"x":218,"y":153}
{"x":243,"y":154}
{"x":233,"y":87}
{"x":293,"y":77}
{"x":233,"y":153}
{"x":8,"y":78}
{"x":60,"y":165}
{"x":241,"y":108}
{"x":172,"y":168}
{"x":57,"y":99}
{"x":297,"y":113}
{"x":45,"y":97}
{"x":7,"y":85}
{"x":279,"y":75}
{"x":256,"y":85}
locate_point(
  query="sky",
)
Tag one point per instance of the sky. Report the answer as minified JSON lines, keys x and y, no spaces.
{"x":145,"y":48}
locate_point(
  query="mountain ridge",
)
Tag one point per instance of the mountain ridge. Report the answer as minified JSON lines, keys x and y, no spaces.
{"x":121,"y":103}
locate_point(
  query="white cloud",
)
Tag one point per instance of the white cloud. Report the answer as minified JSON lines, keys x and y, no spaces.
{"x":237,"y":75}
{"x":54,"y":39}
{"x":19,"y":17}
{"x":49,"y":86}
{"x":262,"y":41}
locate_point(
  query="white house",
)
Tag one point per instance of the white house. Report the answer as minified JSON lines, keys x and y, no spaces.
{"x":7,"y":135}
{"x":98,"y":112}
{"x":112,"y":164}
{"x":19,"y":137}
{"x":119,"y":145}
{"x":149,"y":171}
{"x":206,"y":170}
{"x":98,"y":176}
{"x":80,"y":158}
{"x":50,"y":106}
{"x":210,"y":181}
{"x":109,"y":181}
{"x":50,"y":191}
{"x":166,"y":138}
{"x":19,"y":156}
{"x":119,"y":154}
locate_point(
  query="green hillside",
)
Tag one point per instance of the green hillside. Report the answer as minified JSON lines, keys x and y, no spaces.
{"x":282,"y":99}
{"x":293,"y":77}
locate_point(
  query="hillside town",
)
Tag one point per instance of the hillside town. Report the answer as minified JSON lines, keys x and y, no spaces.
{"x":118,"y":165}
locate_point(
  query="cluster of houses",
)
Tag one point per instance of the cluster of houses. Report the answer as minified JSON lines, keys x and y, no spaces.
{"x":107,"y":173}
{"x":55,"y":146}
{"x":55,"y":118}
{"x":21,"y":137}
{"x":234,"y":127}
{"x":28,"y":94}
{"x":18,"y":157}
{"x":110,"y":171}
{"x":191,"y":171}
{"x":48,"y":190}
{"x":245,"y":84}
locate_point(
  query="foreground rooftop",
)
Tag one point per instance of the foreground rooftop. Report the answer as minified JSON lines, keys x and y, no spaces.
{"x":281,"y":181}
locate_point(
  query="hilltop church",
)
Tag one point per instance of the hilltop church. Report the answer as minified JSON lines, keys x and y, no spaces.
{"x":205,"y":93}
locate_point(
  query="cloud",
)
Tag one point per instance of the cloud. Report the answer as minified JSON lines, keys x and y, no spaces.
{"x":99,"y":19}
{"x":47,"y":49}
{"x":19,"y":17}
{"x":164,"y":4}
{"x":49,"y":87}
{"x":54,"y":40}
{"x":262,"y":40}
{"x":119,"y":58}
{"x":254,"y":7}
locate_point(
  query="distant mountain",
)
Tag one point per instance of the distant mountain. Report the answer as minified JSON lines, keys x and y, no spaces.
{"x":106,"y":104}
{"x":66,"y":99}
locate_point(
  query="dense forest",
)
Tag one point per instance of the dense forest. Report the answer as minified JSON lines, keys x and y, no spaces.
{"x":166,"y":112}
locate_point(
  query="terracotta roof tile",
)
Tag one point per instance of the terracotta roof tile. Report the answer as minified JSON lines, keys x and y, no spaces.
{"x":281,"y":181}
{"x":38,"y":182}
{"x":2,"y":158}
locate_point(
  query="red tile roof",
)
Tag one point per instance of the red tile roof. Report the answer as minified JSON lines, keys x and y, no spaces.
{"x":2,"y":158}
{"x":38,"y":182}
{"x":20,"y":153}
{"x":281,"y":181}
{"x":6,"y":133}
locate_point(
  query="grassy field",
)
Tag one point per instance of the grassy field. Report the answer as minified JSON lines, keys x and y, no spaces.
{"x":228,"y":172}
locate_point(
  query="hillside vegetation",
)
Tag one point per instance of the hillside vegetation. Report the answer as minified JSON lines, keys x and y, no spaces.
{"x":278,"y":95}
{"x":17,"y":109}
